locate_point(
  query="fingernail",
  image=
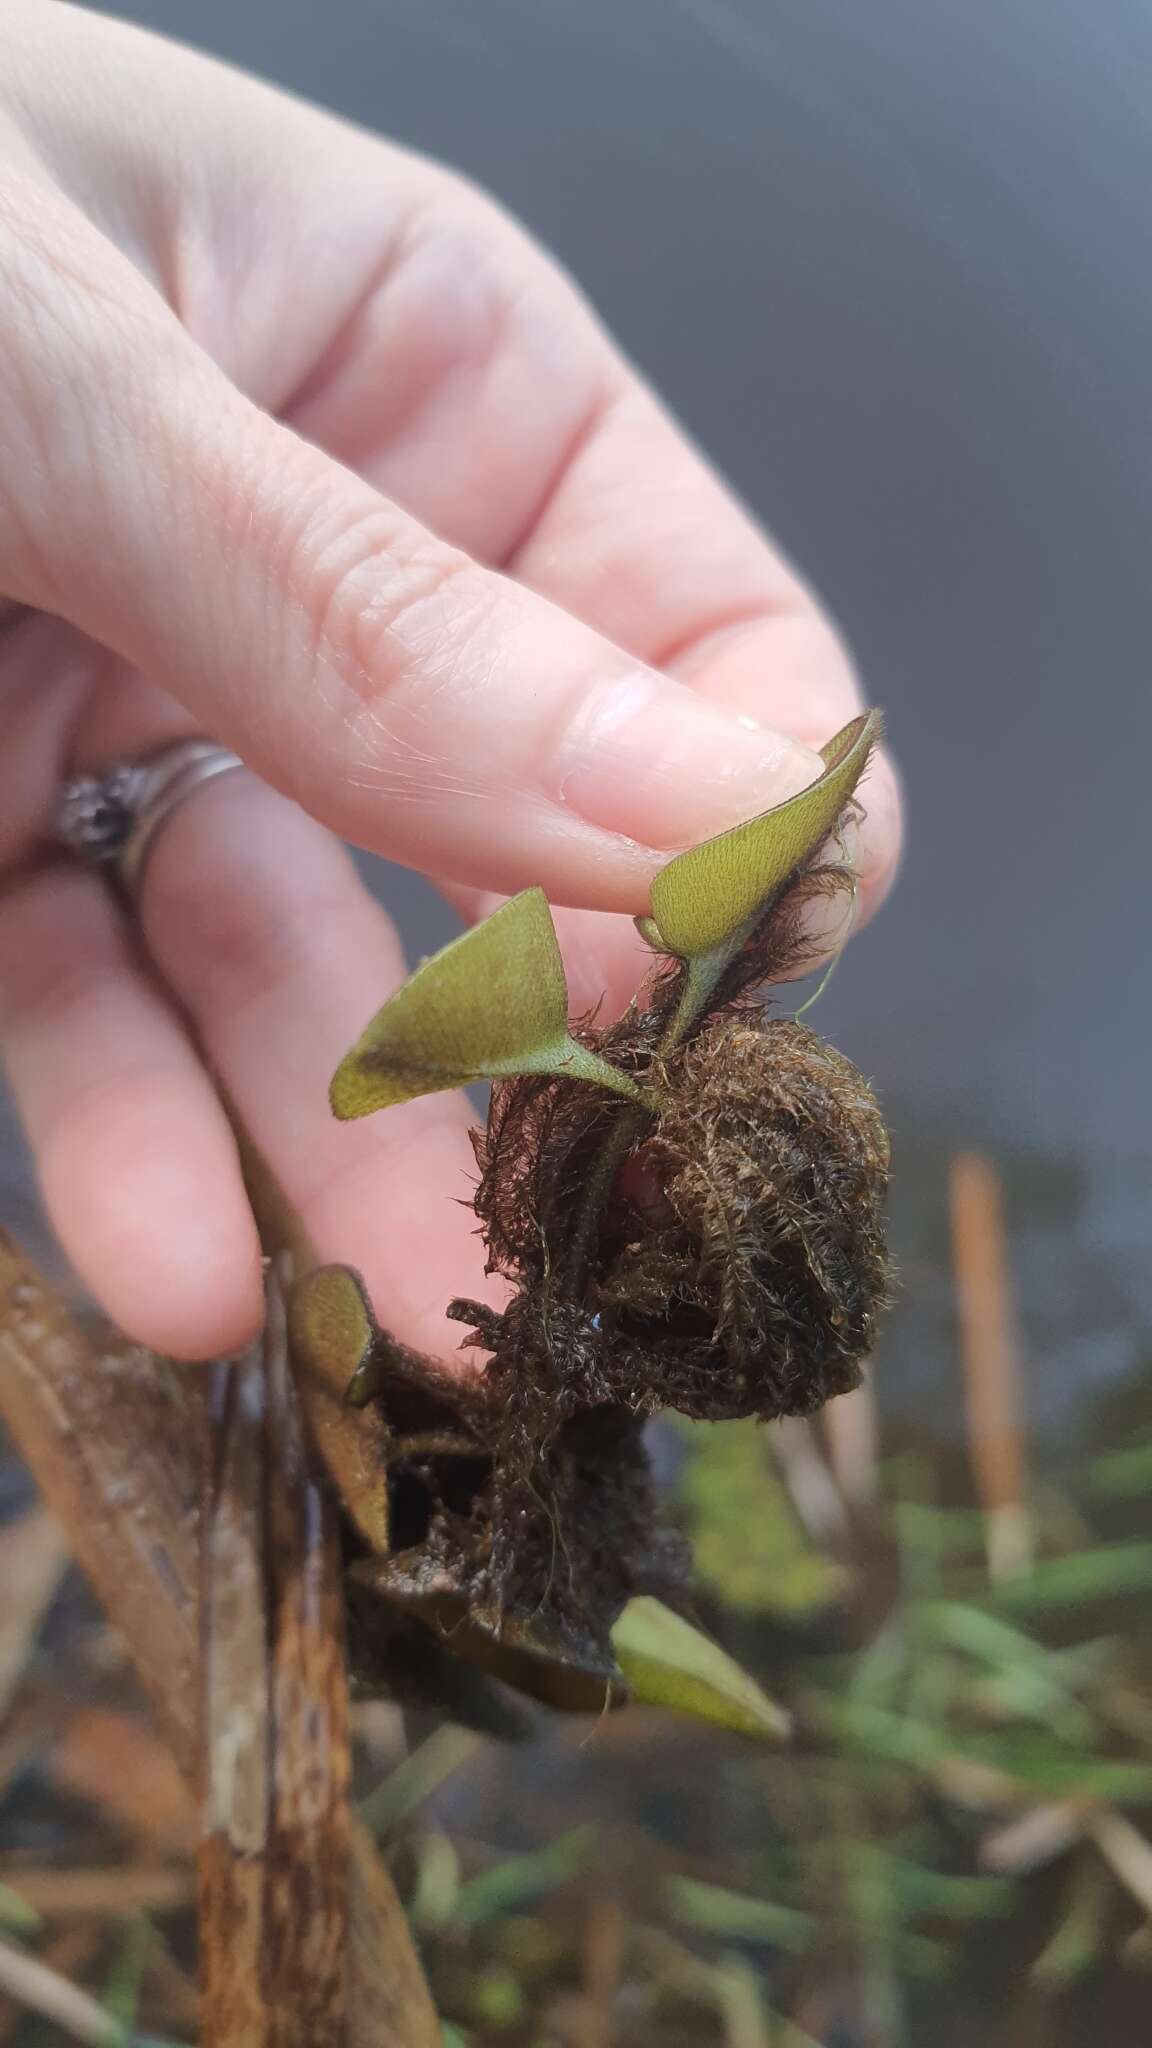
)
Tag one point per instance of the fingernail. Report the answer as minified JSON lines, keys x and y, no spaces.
{"x":649,"y":759}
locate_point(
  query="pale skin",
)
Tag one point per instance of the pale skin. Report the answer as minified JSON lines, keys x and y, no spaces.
{"x":305,"y":445}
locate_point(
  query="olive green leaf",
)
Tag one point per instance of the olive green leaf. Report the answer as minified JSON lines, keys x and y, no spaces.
{"x":668,"y":1663}
{"x":491,"y":1003}
{"x":332,"y":1326}
{"x":334,"y":1338}
{"x":708,"y":897}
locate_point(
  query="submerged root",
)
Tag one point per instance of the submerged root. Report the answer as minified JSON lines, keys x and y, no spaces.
{"x":739,"y":1266}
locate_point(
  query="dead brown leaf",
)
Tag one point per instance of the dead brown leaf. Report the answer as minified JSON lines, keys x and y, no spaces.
{"x":33,"y":1559}
{"x":112,"y":1436}
{"x":118,"y":1763}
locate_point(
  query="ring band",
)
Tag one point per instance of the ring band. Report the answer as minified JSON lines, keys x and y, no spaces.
{"x":112,"y":820}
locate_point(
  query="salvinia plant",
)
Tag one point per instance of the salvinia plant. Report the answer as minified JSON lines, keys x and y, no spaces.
{"x":687,"y":1206}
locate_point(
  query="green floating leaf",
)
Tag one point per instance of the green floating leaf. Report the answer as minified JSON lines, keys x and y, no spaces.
{"x":1108,"y":1572}
{"x":1125,"y":1473}
{"x":668,"y":1663}
{"x":513,"y":1883}
{"x":437,"y":1882}
{"x":918,"y":1888}
{"x":417,"y":1777}
{"x":881,"y":1732}
{"x":980,"y":1635}
{"x":711,"y":1909}
{"x":122,"y":1988}
{"x":1057,"y":1770}
{"x":707,"y":897}
{"x":491,"y":1003}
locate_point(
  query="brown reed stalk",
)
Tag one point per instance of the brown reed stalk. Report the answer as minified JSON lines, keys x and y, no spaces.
{"x":989,"y":1354}
{"x":117,"y":1441}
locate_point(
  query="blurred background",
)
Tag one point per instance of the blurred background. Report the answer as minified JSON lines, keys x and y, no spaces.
{"x":890,"y":266}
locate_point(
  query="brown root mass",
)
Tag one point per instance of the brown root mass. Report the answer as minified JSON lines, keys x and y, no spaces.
{"x":755,"y":1284}
{"x":739,"y":1262}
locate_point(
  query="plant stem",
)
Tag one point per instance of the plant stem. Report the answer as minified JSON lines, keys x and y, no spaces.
{"x":586,"y":1220}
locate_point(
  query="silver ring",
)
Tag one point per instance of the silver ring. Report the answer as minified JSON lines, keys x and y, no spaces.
{"x":112,"y":820}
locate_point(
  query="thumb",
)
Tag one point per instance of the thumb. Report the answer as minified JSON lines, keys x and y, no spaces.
{"x":413,"y":700}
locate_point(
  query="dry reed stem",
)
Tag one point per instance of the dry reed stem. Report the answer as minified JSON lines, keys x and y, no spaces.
{"x":274,"y":1860}
{"x":113,"y":1438}
{"x":603,"y":1945}
{"x":33,"y":1558}
{"x":33,"y":1984}
{"x":1035,"y":1838}
{"x":69,"y":1951}
{"x":390,"y":2003}
{"x":106,"y":1892}
{"x":852,"y":1436}
{"x":990,"y":1361}
{"x":1127,"y":1853}
{"x":808,"y":1477}
{"x":233,"y":1862}
{"x":116,"y":1762}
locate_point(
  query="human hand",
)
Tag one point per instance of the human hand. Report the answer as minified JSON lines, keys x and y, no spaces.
{"x":306,"y":446}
